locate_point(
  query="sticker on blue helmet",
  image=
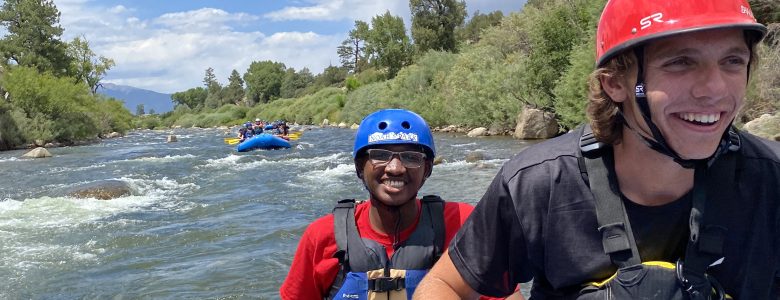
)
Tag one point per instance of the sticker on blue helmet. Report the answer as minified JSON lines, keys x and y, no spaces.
{"x":392,"y":136}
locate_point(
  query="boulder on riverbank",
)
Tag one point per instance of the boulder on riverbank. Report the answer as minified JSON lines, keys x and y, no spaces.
{"x":766,"y":126}
{"x":479,"y":131}
{"x":38,"y":152}
{"x":535,"y":124}
{"x":103,"y":190}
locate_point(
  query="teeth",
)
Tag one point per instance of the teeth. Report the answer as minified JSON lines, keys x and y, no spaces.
{"x":701,"y":118}
{"x":394,"y":183}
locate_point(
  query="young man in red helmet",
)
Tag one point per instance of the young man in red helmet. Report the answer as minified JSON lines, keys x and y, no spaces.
{"x":659,"y":198}
{"x":381,"y":248}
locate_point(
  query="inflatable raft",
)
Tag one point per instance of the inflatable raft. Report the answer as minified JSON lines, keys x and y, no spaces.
{"x":263,"y":141}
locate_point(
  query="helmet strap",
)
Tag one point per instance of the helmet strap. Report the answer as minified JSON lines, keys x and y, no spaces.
{"x":729,"y":142}
{"x":658,"y":142}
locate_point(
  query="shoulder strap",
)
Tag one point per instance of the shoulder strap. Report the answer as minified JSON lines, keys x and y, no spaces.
{"x":436,"y":210}
{"x":359,"y":255}
{"x":616,"y":235}
{"x":712,"y":192}
{"x":341,"y":213}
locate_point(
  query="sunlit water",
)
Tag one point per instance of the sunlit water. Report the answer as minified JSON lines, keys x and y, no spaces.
{"x":203,"y":222}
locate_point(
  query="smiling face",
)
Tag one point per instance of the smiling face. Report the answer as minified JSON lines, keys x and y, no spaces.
{"x":695,"y":86}
{"x":393,"y":184}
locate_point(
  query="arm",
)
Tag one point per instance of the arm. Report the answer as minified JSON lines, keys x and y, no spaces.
{"x":313,"y":267}
{"x":444,"y":282}
{"x":487,"y":254}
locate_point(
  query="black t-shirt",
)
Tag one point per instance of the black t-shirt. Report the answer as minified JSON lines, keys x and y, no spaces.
{"x":537,"y":221}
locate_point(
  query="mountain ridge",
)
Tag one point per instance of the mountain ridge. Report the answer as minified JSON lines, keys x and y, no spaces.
{"x":133,"y":96}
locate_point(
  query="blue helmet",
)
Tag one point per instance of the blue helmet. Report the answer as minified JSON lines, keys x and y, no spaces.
{"x":393,"y":126}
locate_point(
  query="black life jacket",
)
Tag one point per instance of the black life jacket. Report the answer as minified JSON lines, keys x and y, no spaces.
{"x":684,"y":279}
{"x":365,"y":271}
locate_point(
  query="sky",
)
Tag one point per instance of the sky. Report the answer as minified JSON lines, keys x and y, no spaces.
{"x":166,"y":45}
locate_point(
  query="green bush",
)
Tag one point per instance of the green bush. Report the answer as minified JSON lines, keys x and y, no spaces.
{"x":147,"y":122}
{"x":10,"y":135}
{"x":111,"y":115}
{"x":52,"y":108}
{"x":309,"y":109}
{"x":370,"y":75}
{"x":419,"y":87}
{"x":352,"y":83}
{"x":478,"y":91}
{"x":365,"y":100}
{"x":571,"y":91}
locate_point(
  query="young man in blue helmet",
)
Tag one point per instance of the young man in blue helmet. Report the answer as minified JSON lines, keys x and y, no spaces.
{"x":659,"y":198}
{"x":381,"y":247}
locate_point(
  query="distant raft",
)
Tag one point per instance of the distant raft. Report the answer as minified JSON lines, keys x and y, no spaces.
{"x":263,"y":141}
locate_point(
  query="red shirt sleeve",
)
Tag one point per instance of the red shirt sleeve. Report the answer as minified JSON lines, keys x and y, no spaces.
{"x":313,"y":268}
{"x":455,"y":214}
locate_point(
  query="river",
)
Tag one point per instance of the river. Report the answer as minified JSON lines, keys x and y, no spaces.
{"x":203,"y":222}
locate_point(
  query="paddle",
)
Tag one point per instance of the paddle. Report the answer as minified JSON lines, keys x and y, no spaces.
{"x":231,"y":140}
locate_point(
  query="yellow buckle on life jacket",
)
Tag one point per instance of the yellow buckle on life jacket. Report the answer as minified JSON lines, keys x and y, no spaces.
{"x":386,"y":287}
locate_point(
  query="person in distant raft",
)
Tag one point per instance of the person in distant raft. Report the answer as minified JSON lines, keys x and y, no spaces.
{"x":661,"y":197}
{"x":245,"y":132}
{"x":258,"y":126}
{"x":379,"y":248}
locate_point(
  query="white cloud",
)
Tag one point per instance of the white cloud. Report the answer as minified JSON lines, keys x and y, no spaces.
{"x":202,"y":19}
{"x":335,"y":10}
{"x":171,"y":52}
{"x":118,"y":9}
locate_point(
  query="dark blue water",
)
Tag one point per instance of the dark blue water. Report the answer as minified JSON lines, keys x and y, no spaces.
{"x":203,"y":222}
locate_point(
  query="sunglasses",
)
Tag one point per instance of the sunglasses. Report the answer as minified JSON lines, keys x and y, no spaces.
{"x":410,"y":159}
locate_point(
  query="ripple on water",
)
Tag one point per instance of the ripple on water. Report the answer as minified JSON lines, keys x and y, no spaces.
{"x":25,"y":225}
{"x":330,"y":175}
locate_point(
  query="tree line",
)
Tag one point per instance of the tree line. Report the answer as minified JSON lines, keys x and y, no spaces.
{"x":480,"y":72}
{"x":381,"y":45}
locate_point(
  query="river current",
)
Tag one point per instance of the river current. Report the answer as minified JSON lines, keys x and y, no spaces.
{"x":203,"y":221}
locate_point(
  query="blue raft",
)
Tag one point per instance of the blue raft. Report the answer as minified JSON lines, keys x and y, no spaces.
{"x":263,"y":141}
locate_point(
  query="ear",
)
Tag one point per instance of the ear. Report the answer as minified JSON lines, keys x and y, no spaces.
{"x":428,"y":168}
{"x":359,"y":168}
{"x":616,"y":87}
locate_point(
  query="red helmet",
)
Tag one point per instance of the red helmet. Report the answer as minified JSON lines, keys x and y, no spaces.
{"x":626,"y":23}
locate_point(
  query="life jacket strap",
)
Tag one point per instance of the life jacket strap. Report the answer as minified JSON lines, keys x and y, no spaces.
{"x":713,"y":197}
{"x":386,"y":284}
{"x":617,"y":238}
{"x":436,"y":212}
